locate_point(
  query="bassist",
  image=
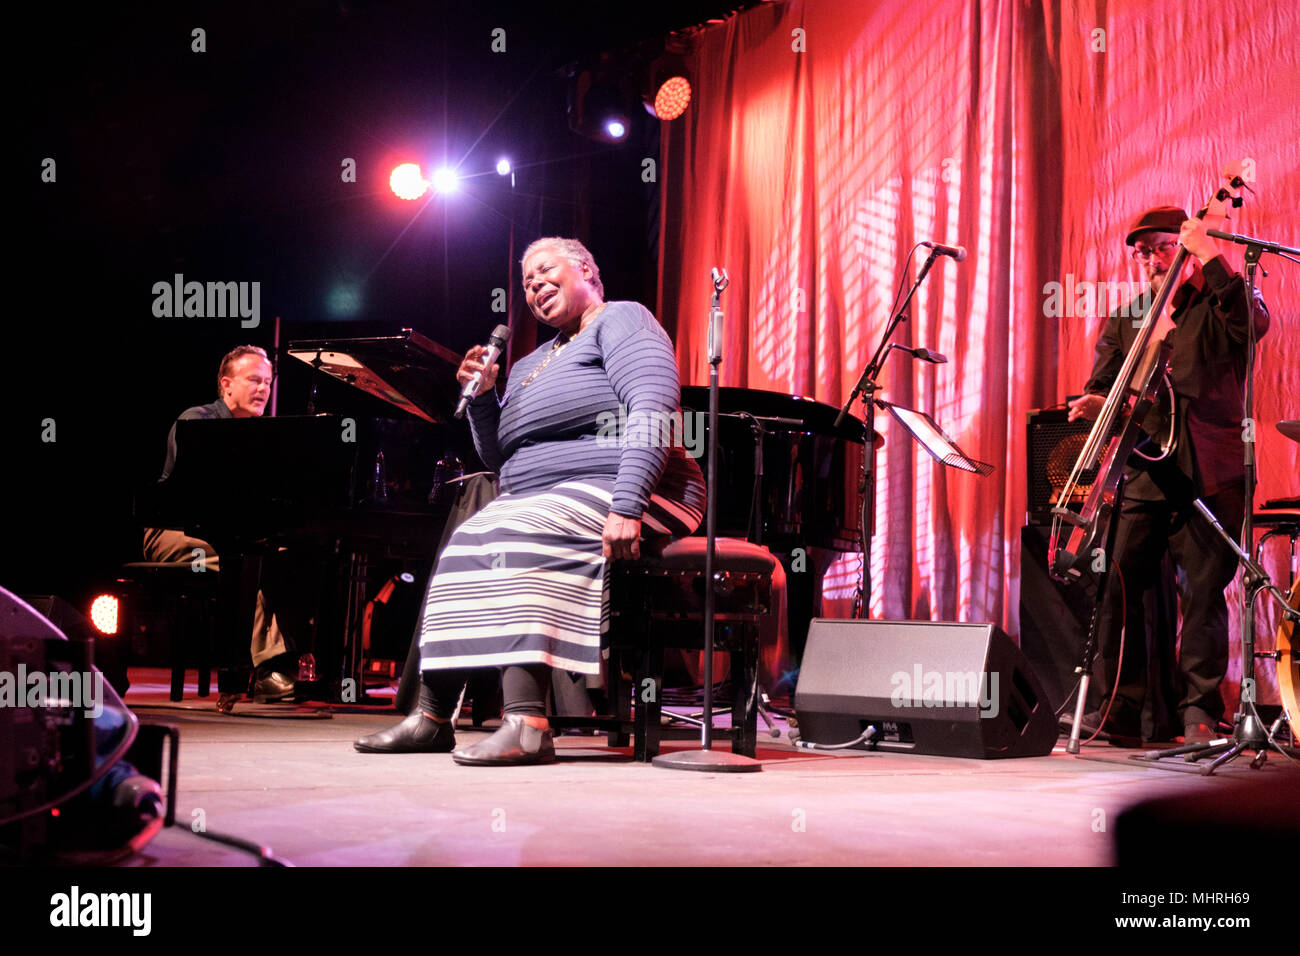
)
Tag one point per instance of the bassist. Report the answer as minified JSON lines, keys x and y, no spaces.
{"x":1205,"y":323}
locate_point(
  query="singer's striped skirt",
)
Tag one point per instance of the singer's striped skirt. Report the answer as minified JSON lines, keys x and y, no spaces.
{"x":522,"y":581}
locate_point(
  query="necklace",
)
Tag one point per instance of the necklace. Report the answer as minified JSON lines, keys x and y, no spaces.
{"x":556,"y":348}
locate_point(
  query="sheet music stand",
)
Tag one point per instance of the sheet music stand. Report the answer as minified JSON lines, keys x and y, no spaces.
{"x":934,"y":440}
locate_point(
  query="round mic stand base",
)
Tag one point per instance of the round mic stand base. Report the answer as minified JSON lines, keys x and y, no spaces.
{"x":707,"y":761}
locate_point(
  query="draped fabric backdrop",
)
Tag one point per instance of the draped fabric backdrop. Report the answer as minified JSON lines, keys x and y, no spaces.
{"x":825,"y":138}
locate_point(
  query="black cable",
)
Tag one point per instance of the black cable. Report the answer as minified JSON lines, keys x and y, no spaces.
{"x":262,"y":853}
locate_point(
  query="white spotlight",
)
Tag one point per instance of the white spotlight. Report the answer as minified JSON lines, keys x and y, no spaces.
{"x":445,"y":181}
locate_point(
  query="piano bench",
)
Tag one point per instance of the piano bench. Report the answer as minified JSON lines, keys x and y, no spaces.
{"x":657,"y":602}
{"x":188,"y":600}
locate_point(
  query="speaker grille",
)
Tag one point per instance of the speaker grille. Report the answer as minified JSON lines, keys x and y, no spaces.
{"x":1053,"y":447}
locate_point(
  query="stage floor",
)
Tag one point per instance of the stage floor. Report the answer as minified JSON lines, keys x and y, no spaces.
{"x":280,"y":777}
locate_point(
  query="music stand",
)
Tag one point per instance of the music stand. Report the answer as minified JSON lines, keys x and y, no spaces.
{"x":934,"y":439}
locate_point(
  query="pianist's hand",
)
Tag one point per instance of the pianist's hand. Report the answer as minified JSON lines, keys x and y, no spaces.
{"x":473,"y":363}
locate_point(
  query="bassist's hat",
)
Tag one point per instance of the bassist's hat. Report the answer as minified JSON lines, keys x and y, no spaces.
{"x":1159,"y":219}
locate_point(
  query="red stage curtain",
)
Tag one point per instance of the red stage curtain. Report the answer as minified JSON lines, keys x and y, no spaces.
{"x":824,"y":138}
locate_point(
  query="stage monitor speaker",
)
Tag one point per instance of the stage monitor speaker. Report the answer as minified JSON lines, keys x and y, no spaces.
{"x":950,"y":690}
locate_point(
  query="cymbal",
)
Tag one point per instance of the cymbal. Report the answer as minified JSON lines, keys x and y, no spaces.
{"x":1290,"y":427}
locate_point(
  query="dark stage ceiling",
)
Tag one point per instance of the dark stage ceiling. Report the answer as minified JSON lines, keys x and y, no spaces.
{"x":226,"y":165}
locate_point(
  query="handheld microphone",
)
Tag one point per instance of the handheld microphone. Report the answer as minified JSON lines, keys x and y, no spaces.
{"x":957,"y":252}
{"x":496,"y":345}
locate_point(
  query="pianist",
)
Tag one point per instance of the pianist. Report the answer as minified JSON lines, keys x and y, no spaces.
{"x":244,"y":386}
{"x":519,"y":585}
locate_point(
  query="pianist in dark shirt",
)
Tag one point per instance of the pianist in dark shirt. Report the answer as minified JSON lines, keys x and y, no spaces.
{"x":244,"y":386}
{"x":519,"y":585}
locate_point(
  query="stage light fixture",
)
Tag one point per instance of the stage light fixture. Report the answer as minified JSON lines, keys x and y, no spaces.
{"x":445,"y":180}
{"x":104,"y":614}
{"x":503,"y":167}
{"x":407,"y":182}
{"x":597,"y":104}
{"x":672,"y":98}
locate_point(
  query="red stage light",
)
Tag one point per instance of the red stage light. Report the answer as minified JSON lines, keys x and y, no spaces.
{"x":407,"y":182}
{"x":673,"y":97}
{"x":103,"y":614}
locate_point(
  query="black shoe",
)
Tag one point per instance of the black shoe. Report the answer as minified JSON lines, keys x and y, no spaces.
{"x":1117,"y":731}
{"x":417,"y":734}
{"x":517,"y":742}
{"x":271,"y":686}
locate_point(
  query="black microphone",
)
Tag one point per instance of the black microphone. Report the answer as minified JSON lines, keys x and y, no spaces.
{"x":957,"y":252}
{"x":496,"y":345}
{"x":1264,"y":244}
{"x":925,"y":355}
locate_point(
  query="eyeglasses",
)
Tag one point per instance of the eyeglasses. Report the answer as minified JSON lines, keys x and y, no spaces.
{"x":1142,"y":255}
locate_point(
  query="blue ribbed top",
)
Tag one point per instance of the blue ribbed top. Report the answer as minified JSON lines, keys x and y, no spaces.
{"x":566,"y":424}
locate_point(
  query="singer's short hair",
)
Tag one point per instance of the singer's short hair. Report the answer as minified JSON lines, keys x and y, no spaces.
{"x":234,"y":355}
{"x":574,"y":251}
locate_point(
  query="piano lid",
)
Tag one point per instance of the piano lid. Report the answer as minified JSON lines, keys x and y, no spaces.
{"x":408,"y":370}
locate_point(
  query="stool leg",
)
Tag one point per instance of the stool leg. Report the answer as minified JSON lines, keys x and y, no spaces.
{"x":205,"y":649}
{"x":744,"y":683}
{"x":484,"y":689}
{"x":620,"y":703}
{"x":176,"y":618}
{"x":648,"y":692}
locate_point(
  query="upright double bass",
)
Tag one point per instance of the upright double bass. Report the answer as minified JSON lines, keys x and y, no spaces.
{"x":1118,"y":428}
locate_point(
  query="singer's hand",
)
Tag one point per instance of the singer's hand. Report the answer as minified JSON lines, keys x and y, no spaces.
{"x":473,"y":363}
{"x":1086,"y":406}
{"x":621,"y":537}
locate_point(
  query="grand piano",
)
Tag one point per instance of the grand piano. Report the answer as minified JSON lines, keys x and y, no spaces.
{"x":356,"y":492}
{"x":349,"y":494}
{"x":789,"y":477}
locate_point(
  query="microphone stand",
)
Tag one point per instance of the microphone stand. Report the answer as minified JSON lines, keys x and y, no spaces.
{"x":706,"y":758}
{"x":867,"y":483}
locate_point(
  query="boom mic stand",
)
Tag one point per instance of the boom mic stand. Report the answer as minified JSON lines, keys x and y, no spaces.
{"x":867,"y":386}
{"x":706,"y":758}
{"x":1248,"y":731}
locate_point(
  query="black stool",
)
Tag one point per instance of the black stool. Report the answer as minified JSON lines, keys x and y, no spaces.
{"x":658,"y":602}
{"x":189,"y":597}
